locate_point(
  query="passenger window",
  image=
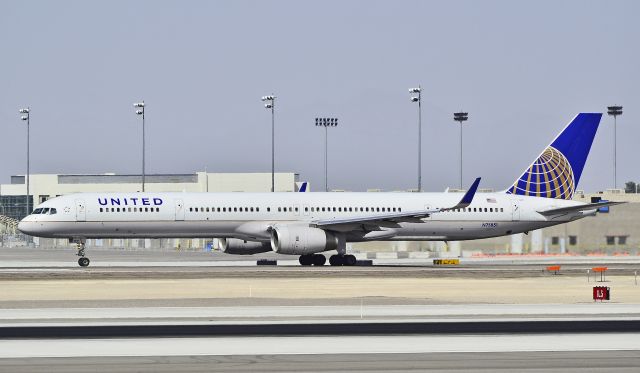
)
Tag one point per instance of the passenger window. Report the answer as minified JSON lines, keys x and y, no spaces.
{"x":100,"y":209}
{"x":399,"y":209}
{"x":501,"y":209}
{"x":339,"y":209}
{"x":296,"y":209}
{"x":323,"y":209}
{"x":118,"y":209}
{"x":258,"y":209}
{"x":268,"y":209}
{"x":290,"y":210}
{"x":485,"y":209}
{"x":279,"y":209}
{"x":157,"y":209}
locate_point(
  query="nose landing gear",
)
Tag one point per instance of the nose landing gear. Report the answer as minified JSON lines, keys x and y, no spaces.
{"x":80,"y":245}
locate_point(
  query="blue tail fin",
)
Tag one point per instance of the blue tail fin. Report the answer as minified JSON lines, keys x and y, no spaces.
{"x":556,"y":172}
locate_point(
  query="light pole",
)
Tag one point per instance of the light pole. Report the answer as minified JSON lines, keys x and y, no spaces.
{"x":418,"y":99}
{"x":326,"y":123}
{"x":26,"y":117}
{"x":460,"y":117}
{"x":270,"y":104}
{"x":615,"y":111}
{"x":140,"y":111}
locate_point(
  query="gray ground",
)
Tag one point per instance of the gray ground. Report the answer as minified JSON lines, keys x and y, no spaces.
{"x":127,"y":279}
{"x":589,"y":361}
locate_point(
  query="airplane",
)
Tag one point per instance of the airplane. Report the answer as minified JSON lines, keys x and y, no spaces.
{"x":307,"y":224}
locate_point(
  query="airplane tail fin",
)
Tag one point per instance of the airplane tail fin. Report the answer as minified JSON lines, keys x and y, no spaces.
{"x":302,"y":186}
{"x":556,"y":172}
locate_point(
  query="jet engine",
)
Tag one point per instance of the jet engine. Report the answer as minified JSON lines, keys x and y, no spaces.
{"x":235,"y":246}
{"x":301,"y":240}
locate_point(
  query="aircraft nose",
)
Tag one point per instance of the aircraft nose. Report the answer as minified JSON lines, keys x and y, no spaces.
{"x":27,"y":227}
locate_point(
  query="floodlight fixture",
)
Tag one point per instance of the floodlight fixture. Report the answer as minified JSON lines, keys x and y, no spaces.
{"x":460,"y":117}
{"x":270,"y":105}
{"x":418,"y":99}
{"x":326,"y":123}
{"x":140,"y":105}
{"x":615,"y":111}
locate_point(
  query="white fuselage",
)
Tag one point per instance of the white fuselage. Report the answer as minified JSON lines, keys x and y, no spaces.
{"x":248,"y":216}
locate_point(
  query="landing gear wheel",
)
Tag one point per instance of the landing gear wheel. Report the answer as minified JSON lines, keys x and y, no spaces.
{"x":84,"y":261}
{"x":319,"y":260}
{"x":305,"y":260}
{"x":349,"y":260}
{"x":336,"y":260}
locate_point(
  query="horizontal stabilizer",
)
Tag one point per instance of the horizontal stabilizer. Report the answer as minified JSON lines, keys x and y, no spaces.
{"x":585,"y":207}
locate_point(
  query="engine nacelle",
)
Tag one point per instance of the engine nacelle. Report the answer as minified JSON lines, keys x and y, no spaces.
{"x":301,"y":240}
{"x":235,"y":246}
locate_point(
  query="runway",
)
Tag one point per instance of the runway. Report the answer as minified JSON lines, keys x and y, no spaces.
{"x":535,"y":353}
{"x":195,"y":311}
{"x":538,"y":361}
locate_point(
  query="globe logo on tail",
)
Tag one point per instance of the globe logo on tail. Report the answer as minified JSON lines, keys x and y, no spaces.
{"x":550,"y":176}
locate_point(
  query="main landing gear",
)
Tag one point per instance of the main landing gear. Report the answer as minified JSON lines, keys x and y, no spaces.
{"x":320,"y":260}
{"x":83,"y":261}
{"x":342,"y":260}
{"x":312,"y":259}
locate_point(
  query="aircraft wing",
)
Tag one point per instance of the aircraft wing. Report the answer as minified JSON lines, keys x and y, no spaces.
{"x":373,"y":221}
{"x":570,"y":209}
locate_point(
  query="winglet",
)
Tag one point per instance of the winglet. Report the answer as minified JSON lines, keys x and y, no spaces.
{"x":468,"y":196}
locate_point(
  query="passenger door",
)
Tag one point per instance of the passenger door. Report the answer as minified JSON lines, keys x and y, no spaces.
{"x":515,"y":212}
{"x":179,"y":210}
{"x":81,"y":210}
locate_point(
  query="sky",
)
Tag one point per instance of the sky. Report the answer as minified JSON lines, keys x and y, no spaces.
{"x":521,"y":69}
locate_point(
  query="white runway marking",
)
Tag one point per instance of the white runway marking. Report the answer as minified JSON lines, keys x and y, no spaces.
{"x":315,"y":345}
{"x":368,"y":312}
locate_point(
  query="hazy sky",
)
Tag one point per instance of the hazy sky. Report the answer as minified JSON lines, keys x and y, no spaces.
{"x":522,"y":70}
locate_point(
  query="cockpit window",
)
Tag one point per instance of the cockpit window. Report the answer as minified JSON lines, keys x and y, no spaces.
{"x":53,"y":211}
{"x":45,"y":210}
{"x":37,"y":211}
